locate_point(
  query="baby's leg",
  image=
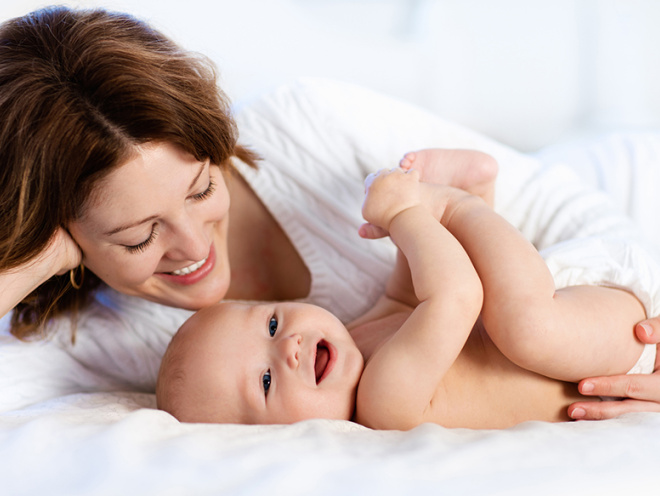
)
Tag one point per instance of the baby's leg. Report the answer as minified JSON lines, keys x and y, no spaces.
{"x":567,"y":334}
{"x":583,"y":331}
{"x":470,"y":170}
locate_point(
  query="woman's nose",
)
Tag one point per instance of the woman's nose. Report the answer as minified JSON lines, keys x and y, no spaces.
{"x":190,"y":242}
{"x":290,"y":348}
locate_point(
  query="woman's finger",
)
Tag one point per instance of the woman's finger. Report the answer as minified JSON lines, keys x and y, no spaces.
{"x":648,"y":331}
{"x":603,"y":410}
{"x":635,"y":386}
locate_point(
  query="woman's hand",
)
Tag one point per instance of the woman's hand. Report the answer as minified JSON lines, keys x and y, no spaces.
{"x":62,"y":251}
{"x":59,"y":256}
{"x":639,"y":393}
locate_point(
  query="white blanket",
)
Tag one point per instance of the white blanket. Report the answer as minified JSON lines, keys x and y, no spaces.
{"x":112,"y":444}
{"x":76,"y":440}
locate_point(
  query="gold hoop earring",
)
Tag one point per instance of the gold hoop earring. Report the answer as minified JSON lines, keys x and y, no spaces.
{"x":72,"y":277}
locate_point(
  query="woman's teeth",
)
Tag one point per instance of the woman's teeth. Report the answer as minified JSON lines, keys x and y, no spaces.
{"x":189,"y":269}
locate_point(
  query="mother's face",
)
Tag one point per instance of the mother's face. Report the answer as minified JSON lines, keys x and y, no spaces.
{"x":156,"y":227}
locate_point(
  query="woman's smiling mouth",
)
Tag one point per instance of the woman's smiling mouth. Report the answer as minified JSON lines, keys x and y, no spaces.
{"x":191,"y":268}
{"x":194,"y":272}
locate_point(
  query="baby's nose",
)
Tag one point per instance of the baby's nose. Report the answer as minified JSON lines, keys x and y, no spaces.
{"x":291,"y":348}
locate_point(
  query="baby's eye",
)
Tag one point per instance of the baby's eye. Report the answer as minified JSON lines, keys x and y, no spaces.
{"x":266,"y":382}
{"x":272,"y":326}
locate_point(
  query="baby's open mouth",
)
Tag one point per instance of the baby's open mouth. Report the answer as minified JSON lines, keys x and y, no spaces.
{"x":322,"y":360}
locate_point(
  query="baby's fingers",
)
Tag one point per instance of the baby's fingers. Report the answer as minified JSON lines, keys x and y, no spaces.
{"x":369,"y":231}
{"x":369,"y":180}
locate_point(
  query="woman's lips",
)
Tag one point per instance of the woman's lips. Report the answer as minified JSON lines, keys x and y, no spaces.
{"x":191,"y":268}
{"x":326,"y":356}
{"x":195,"y":276}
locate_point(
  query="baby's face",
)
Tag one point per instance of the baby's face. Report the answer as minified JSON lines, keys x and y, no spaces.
{"x":273,"y":363}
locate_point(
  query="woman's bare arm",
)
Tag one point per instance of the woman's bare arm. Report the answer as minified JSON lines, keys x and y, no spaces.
{"x":60,"y":255}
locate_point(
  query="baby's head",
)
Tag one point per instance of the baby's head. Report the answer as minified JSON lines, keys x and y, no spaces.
{"x":272,"y":363}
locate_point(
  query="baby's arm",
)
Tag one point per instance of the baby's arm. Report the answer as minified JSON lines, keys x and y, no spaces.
{"x":568,"y":334}
{"x":401,"y":378}
{"x":469,"y":170}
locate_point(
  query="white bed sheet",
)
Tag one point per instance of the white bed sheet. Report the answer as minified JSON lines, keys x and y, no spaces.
{"x":116,"y":443}
{"x":73,"y":442}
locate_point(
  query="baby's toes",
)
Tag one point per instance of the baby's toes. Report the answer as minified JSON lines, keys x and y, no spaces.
{"x":407,"y":160}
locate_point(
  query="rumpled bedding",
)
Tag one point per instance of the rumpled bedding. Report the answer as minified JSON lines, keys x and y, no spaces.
{"x":116,"y":443}
{"x":71,"y":423}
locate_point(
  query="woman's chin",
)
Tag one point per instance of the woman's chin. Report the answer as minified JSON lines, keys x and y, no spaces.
{"x":189,"y":297}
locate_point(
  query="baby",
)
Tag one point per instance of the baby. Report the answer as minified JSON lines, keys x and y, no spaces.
{"x":469,"y":333}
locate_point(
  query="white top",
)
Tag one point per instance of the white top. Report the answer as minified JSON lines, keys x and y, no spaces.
{"x":319,"y":139}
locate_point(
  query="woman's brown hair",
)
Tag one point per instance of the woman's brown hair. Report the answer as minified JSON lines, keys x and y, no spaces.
{"x":79,"y":90}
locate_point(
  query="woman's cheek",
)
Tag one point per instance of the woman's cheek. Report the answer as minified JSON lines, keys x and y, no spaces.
{"x":127,"y":270}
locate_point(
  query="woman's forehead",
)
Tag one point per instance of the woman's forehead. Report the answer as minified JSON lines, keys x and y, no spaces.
{"x":145,"y":185}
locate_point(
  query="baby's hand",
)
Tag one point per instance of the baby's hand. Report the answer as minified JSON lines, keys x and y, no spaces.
{"x":389,"y":192}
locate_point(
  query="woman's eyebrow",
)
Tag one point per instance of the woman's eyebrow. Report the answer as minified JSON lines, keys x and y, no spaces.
{"x":153,"y":217}
{"x":132,"y":224}
{"x":196,"y":178}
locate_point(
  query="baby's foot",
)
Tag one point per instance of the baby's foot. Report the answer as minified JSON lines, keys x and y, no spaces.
{"x":435,"y":165}
{"x":407,"y":161}
{"x":470,"y":170}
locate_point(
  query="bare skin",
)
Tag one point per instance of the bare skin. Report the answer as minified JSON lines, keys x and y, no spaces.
{"x":186,"y":203}
{"x":481,"y":380}
{"x":428,"y":355}
{"x":561,"y":397}
{"x":472,"y":171}
{"x":638,"y":393}
{"x":264,"y":263}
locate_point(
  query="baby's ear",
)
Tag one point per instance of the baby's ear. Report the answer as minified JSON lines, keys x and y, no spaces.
{"x":369,"y":231}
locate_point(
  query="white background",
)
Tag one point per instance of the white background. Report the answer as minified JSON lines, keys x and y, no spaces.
{"x":527,"y":72}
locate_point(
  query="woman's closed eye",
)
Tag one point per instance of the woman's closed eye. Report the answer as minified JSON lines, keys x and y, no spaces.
{"x":140,"y":247}
{"x":206,"y":193}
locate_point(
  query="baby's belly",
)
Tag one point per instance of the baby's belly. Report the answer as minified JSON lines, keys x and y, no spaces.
{"x":484,"y":390}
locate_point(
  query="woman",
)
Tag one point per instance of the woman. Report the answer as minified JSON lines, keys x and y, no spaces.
{"x":121,"y":165}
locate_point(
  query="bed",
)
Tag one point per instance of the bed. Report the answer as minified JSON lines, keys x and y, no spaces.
{"x":116,"y":443}
{"x":71,"y":424}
